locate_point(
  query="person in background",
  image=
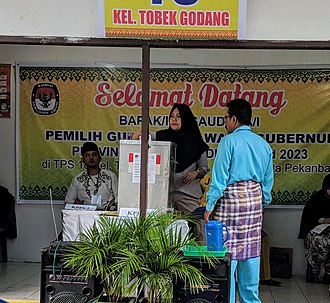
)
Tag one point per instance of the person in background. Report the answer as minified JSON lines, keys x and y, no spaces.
{"x":242,"y":179}
{"x":8,"y":226}
{"x":205,"y":186}
{"x":191,"y":160}
{"x":316,"y":214}
{"x":95,"y":185}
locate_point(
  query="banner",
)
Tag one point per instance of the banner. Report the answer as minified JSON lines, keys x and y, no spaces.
{"x":61,"y":107}
{"x":176,"y":19}
{"x":5,"y":90}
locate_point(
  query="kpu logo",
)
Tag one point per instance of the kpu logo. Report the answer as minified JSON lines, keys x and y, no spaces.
{"x":45,"y":99}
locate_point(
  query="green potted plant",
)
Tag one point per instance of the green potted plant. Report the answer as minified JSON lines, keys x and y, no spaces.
{"x":136,"y":255}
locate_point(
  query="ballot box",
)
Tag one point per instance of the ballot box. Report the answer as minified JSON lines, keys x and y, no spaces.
{"x":161,"y":165}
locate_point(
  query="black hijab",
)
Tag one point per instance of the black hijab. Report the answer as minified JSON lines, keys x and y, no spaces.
{"x":318,"y":206}
{"x":189,"y":141}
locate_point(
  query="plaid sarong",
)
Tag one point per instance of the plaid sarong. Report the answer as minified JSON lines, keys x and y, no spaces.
{"x":240,"y":209}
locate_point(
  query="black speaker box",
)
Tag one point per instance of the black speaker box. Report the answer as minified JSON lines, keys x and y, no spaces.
{"x":61,"y":285}
{"x":280,"y":260}
{"x":215,"y":291}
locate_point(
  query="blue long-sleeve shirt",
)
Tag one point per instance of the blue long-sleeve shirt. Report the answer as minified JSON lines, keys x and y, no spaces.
{"x":242,"y":155}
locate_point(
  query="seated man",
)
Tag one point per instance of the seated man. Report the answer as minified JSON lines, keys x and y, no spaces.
{"x":95,"y":185}
{"x":316,"y":213}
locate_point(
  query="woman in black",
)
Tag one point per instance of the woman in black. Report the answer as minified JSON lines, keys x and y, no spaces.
{"x":316,"y":213}
{"x":191,"y":159}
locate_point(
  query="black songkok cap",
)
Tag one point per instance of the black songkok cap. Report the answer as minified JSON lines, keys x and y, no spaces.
{"x":89,"y":146}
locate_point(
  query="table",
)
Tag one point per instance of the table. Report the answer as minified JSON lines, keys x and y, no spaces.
{"x":76,"y":221}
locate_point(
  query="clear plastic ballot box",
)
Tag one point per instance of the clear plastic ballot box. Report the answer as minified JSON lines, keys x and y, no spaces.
{"x":161,"y":164}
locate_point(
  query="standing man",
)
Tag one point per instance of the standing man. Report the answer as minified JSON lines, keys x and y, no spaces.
{"x":95,"y":185}
{"x":242,"y":179}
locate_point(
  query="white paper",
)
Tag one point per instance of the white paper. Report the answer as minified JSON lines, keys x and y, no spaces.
{"x":131,"y":212}
{"x":96,"y":200}
{"x":80,"y":207}
{"x":137,"y":168}
{"x":320,"y":228}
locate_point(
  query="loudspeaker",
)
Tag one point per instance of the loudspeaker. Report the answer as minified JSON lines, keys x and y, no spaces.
{"x":215,"y":291}
{"x":61,"y":285}
{"x":68,"y":288}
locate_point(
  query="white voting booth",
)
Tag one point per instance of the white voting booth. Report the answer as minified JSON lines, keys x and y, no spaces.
{"x":161,"y":164}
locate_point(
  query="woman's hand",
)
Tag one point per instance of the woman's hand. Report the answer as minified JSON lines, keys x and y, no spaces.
{"x":189,"y":177}
{"x":136,"y":135}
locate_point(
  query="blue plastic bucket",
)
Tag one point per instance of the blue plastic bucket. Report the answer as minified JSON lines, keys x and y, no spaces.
{"x":214,"y":235}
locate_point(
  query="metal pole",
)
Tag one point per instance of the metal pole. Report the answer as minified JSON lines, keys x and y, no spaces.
{"x":145,"y":129}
